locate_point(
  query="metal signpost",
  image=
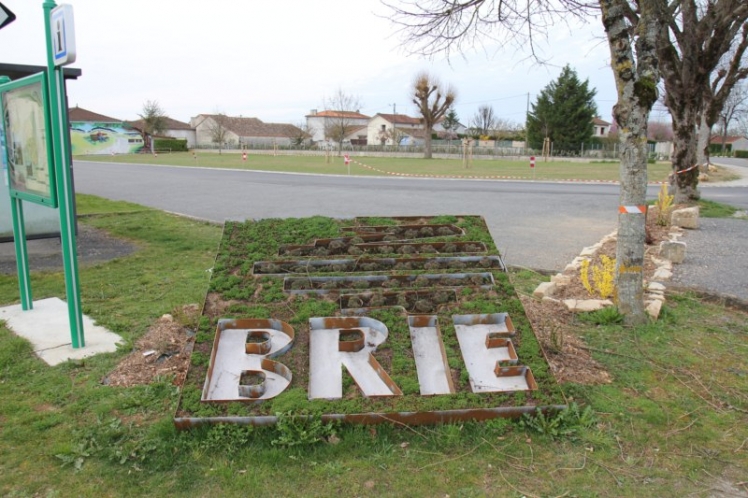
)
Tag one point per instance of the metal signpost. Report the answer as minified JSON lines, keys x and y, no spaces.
{"x":60,"y":31}
{"x":35,"y":114}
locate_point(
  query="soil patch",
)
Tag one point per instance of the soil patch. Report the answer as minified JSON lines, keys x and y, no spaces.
{"x":555,"y":326}
{"x":163,"y":351}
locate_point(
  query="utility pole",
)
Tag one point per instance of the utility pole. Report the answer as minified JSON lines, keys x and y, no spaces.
{"x":527,"y":113}
{"x":394,"y":108}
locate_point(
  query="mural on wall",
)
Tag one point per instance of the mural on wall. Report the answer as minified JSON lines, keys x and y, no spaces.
{"x":104,"y":138}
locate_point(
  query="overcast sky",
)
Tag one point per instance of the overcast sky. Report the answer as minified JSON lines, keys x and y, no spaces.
{"x":277,"y":60}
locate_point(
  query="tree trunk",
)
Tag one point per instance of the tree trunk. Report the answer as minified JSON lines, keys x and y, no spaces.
{"x":636,"y":79}
{"x":724,"y":136}
{"x":702,"y":147}
{"x":427,"y":145}
{"x":632,"y":225}
{"x":685,"y":177}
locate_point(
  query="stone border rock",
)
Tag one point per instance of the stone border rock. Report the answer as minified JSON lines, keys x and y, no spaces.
{"x":669,"y":251}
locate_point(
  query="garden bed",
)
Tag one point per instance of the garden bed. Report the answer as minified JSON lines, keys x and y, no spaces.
{"x":249,"y":283}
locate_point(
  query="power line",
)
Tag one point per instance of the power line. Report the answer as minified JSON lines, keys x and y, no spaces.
{"x":493,"y":100}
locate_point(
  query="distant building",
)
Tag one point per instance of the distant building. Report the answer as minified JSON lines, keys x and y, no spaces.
{"x":174,"y":129}
{"x":459,"y":129}
{"x":601,"y":128}
{"x":93,"y":133}
{"x":395,"y":129}
{"x":732,"y":143}
{"x":319,"y":122}
{"x":241,"y":131}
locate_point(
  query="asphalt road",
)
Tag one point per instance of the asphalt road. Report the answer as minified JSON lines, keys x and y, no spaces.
{"x":535,"y":224}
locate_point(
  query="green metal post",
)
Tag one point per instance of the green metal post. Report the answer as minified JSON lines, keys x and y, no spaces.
{"x":19,"y":241}
{"x":22,"y":255}
{"x":65,"y":199}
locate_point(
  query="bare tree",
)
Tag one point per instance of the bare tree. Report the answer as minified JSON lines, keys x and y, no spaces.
{"x":218,"y":130}
{"x":300,"y":133}
{"x":343,"y":109}
{"x":696,"y":38}
{"x":659,"y":131}
{"x":386,"y":135}
{"x":735,"y":106}
{"x":741,"y":125}
{"x":631,"y":26}
{"x":432,"y":101}
{"x":723,"y":80}
{"x":484,"y":120}
{"x":154,"y":122}
{"x":505,"y":128}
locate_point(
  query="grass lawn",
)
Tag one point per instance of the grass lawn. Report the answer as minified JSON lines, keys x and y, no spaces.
{"x":520,"y":169}
{"x":673,"y":422}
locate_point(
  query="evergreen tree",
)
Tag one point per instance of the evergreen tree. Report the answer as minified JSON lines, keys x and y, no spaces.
{"x":563,"y":112}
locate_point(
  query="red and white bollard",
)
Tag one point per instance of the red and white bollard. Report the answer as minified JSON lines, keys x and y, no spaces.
{"x":532,"y":161}
{"x":244,"y":156}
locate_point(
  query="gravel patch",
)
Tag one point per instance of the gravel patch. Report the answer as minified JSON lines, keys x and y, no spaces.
{"x":716,"y":258}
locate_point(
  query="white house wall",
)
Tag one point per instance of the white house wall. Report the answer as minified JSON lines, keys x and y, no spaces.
{"x":203,"y":135}
{"x":188,"y":135}
{"x":316,"y":124}
{"x":374,"y":127}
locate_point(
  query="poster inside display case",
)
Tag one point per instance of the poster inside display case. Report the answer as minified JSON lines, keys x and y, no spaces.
{"x":27,"y":140}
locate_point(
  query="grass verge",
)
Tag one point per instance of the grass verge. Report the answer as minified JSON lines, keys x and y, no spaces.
{"x":515,"y":168}
{"x":712,"y":209}
{"x":672,"y":422}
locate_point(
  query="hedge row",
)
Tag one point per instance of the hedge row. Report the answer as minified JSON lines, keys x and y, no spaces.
{"x":173,"y":144}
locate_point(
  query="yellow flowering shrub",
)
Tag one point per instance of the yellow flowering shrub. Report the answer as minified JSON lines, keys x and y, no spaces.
{"x":603,"y":277}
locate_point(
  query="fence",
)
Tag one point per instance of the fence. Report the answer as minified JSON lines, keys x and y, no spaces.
{"x":439,"y":148}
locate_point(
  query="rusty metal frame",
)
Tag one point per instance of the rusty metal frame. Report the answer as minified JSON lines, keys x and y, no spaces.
{"x":498,"y":335}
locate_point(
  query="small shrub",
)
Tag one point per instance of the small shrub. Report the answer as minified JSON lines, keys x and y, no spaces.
{"x":556,"y":336}
{"x":664,"y":206}
{"x":603,"y":277}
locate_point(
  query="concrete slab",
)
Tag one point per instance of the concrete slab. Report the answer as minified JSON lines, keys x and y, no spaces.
{"x":47,"y":328}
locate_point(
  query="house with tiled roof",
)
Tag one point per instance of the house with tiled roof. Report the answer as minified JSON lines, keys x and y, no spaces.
{"x":241,"y":131}
{"x":94,"y":133}
{"x":732,"y":143}
{"x":318,"y":122}
{"x":80,"y":114}
{"x":174,"y":129}
{"x":600,"y":127}
{"x":395,"y":129}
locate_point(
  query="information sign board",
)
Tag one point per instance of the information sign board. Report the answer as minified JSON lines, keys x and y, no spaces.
{"x":63,"y":35}
{"x":30,"y":167}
